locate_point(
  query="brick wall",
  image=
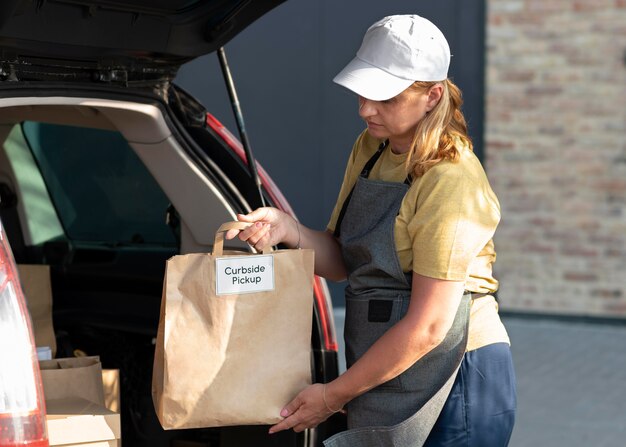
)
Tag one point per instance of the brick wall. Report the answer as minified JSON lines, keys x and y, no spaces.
{"x":555,"y":152}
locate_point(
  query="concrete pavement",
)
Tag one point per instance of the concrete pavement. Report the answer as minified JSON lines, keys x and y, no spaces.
{"x":571,"y":380}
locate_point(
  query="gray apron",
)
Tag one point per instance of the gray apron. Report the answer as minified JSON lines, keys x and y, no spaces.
{"x":402,"y":411}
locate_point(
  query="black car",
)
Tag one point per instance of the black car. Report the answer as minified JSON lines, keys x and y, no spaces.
{"x":107,"y":169}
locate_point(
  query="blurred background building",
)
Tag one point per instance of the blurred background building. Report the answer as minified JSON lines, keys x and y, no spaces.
{"x":555,"y":144}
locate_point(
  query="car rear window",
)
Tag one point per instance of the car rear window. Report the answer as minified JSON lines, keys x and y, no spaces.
{"x":100,"y":188}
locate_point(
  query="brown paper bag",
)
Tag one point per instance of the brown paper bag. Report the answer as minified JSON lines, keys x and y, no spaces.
{"x":233,"y":345}
{"x":35,"y":281}
{"x":73,"y":377}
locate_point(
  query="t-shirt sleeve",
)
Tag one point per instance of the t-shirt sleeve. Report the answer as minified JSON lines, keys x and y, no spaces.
{"x":349,"y":179}
{"x":456,"y":216}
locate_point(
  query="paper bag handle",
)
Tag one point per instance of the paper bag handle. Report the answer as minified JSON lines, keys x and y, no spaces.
{"x":218,"y":245}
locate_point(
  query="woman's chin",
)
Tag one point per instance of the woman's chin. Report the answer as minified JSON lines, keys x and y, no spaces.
{"x":377,"y":133}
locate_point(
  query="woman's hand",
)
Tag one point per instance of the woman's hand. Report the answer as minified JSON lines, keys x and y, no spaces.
{"x":270,"y":226}
{"x":306,"y":410}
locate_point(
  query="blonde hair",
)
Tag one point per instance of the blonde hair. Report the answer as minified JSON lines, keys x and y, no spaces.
{"x":441,"y":133}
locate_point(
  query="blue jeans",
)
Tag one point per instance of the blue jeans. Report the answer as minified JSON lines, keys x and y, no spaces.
{"x":480,"y":411}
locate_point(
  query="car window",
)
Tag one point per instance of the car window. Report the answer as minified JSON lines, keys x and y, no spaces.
{"x":100,"y":188}
{"x":41,"y":222}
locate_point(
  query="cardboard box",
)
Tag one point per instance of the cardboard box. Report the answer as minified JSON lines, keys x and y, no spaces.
{"x":79,"y":422}
{"x":76,"y":390}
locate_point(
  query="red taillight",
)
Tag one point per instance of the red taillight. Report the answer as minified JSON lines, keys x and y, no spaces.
{"x":22,"y":410}
{"x":322,"y":295}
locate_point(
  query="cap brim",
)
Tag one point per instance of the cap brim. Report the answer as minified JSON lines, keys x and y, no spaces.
{"x":371,"y":82}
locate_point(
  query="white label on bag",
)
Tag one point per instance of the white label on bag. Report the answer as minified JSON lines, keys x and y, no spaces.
{"x":246,"y":274}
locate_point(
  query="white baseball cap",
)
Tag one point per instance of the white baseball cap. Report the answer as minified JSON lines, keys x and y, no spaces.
{"x":396,"y":51}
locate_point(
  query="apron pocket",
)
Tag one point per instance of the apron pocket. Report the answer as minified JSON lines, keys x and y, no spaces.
{"x":366,"y":321}
{"x":379,"y":311}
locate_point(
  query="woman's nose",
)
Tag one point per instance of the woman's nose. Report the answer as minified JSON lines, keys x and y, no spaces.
{"x":366,"y":107}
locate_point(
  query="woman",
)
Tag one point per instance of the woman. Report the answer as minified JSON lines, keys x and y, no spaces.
{"x":428,"y":357}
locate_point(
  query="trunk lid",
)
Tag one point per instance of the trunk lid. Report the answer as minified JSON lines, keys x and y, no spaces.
{"x":115,"y":40}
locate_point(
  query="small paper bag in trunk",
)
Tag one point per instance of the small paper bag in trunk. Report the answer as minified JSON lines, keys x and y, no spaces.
{"x":73,"y":377}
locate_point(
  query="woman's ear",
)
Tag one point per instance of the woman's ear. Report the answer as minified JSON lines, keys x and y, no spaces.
{"x":434,"y":95}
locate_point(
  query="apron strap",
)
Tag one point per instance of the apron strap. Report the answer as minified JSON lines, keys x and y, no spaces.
{"x":365,"y":173}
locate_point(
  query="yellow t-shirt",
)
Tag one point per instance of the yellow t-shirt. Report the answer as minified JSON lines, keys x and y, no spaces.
{"x":444,"y":228}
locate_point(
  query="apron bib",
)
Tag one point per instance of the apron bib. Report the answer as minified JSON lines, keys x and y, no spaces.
{"x":402,"y":411}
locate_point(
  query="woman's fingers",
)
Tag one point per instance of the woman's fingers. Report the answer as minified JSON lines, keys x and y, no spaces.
{"x":252,"y":234}
{"x":282,"y":425}
{"x":260,"y":238}
{"x":307,"y":410}
{"x":291,"y":407}
{"x":288,"y":412}
{"x":259,"y":214}
{"x":261,"y":233}
{"x":299,"y":421}
{"x":285,"y":424}
{"x":231,"y":234}
{"x":299,"y":428}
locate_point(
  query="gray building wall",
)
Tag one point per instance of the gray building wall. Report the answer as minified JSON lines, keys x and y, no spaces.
{"x":300,"y":124}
